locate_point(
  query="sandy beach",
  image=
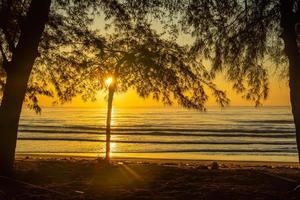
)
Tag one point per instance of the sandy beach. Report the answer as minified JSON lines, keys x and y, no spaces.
{"x":44,"y":177}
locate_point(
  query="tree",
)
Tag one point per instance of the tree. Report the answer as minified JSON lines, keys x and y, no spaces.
{"x":140,"y":59}
{"x":36,"y":42}
{"x":18,"y":70}
{"x":240,"y":36}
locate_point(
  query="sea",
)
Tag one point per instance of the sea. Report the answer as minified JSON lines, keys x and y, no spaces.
{"x":232,"y":133}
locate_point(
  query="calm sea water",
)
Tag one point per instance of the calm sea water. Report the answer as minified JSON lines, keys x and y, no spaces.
{"x":235,"y":133}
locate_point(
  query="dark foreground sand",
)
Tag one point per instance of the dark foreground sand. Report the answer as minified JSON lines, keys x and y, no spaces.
{"x":70,"y":178}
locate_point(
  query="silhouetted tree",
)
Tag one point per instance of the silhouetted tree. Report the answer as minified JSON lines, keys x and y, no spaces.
{"x":36,"y":42}
{"x":240,"y":36}
{"x":139,"y":58}
{"x":17,"y":69}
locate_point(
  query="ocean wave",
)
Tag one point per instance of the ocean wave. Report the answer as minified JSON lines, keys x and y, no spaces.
{"x":238,"y":151}
{"x":219,"y":134}
{"x":163,"y":142}
{"x":268,"y":121}
{"x":87,"y":129}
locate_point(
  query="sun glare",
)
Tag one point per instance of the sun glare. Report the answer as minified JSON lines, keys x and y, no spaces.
{"x":112,"y":148}
{"x":108,"y":81}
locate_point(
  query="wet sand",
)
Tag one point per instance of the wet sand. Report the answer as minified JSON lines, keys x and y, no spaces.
{"x":44,"y":177}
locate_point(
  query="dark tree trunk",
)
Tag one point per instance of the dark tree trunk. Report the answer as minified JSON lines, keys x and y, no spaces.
{"x":288,"y":23}
{"x":111,"y":92}
{"x":18,"y":71}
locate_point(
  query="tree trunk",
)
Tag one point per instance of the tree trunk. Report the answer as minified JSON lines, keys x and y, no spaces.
{"x":288,"y":23}
{"x":111,"y":92}
{"x":18,"y":72}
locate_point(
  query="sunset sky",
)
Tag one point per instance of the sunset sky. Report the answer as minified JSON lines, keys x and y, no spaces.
{"x":278,"y":95}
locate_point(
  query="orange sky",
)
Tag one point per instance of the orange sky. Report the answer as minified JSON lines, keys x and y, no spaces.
{"x":278,"y":95}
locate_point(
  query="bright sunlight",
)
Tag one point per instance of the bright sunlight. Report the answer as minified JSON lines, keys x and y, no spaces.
{"x":108,"y":81}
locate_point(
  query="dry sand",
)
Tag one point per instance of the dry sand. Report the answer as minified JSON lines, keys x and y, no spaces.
{"x":86,"y":178}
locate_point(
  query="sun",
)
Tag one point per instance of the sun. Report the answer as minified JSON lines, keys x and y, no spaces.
{"x":108,"y":81}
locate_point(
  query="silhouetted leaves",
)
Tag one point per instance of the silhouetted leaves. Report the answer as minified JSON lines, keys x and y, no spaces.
{"x":140,"y":59}
{"x":238,"y":37}
{"x":60,"y":62}
{"x":151,"y":64}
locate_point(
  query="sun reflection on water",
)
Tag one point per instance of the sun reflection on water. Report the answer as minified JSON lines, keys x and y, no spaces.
{"x":113,"y":147}
{"x":113,"y":112}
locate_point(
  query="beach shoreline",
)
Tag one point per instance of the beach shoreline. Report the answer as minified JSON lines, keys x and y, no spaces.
{"x":62,"y":177}
{"x":37,"y":156}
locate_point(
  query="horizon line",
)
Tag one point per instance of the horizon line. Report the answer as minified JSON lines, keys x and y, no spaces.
{"x":171,"y":107}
